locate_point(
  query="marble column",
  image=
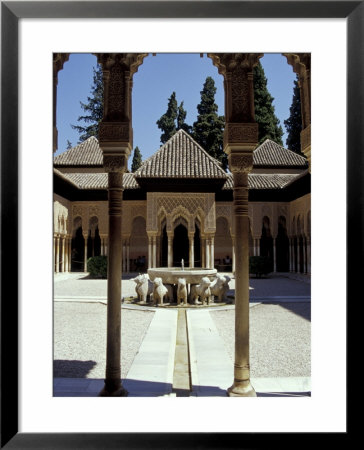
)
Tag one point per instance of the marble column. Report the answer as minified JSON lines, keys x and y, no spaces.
{"x":63,"y":257}
{"x":290,"y":255}
{"x":240,"y":139}
{"x":115,"y":139}
{"x":304,"y":270}
{"x":150,"y":258}
{"x":154,"y":251}
{"x":207,"y":252}
{"x":57,"y":253}
{"x":170,"y":249}
{"x":212,"y":253}
{"x":191,"y":238}
{"x":274,"y":254}
{"x":203,"y":250}
{"x":309,"y":254}
{"x":85,"y":237}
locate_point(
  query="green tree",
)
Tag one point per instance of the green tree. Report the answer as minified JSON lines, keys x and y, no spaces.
{"x":294,"y":123}
{"x":209,"y":127}
{"x":93,"y":108}
{"x":269,"y":125}
{"x":181,"y":118}
{"x":167,"y":122}
{"x":173,"y":120}
{"x":137,"y":160}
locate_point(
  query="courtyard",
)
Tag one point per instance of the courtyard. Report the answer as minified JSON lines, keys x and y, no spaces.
{"x":152,"y":346}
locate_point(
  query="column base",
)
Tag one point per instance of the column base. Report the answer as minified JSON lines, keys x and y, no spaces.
{"x":241,"y":389}
{"x":113,"y":388}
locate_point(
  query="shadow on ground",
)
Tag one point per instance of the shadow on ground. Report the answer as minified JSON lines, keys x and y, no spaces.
{"x":72,"y":368}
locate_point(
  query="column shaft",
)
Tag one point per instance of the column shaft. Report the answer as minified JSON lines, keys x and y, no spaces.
{"x":170,"y":251}
{"x":57,"y":254}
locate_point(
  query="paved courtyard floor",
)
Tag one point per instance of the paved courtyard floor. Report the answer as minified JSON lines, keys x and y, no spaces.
{"x":280,"y":350}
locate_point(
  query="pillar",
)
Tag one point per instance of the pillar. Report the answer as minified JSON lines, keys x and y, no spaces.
{"x":63,"y":254}
{"x":57,"y":253}
{"x":150,"y":259}
{"x":212,"y":252}
{"x":233,"y":257}
{"x":58,"y":60}
{"x":240,"y":139}
{"x":274,"y":254}
{"x":203,"y":252}
{"x":308,"y":254}
{"x":301,"y":63}
{"x":154,"y":251}
{"x":290,"y":248}
{"x":115,"y":139}
{"x":208,"y":253}
{"x":85,"y":237}
{"x":170,"y":249}
{"x":191,"y":238}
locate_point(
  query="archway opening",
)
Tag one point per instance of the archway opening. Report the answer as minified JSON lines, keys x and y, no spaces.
{"x":164,"y":247}
{"x":197,"y":247}
{"x":78,"y":247}
{"x":266,"y":241}
{"x":282,"y":246}
{"x":180,"y":246}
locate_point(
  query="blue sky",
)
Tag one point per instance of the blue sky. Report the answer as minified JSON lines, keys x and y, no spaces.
{"x":153,"y":84}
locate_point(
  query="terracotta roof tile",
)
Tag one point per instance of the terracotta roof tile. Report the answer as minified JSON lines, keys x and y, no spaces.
{"x":271,"y":154}
{"x":264,"y":180}
{"x":97,"y":180}
{"x":181,"y":157}
{"x":88,"y":153}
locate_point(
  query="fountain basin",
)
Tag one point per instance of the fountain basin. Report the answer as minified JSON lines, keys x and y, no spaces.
{"x":170,"y":275}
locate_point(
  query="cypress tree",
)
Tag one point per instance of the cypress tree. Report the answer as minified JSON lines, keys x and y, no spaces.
{"x":294,"y":123}
{"x":209,"y":127}
{"x":94,"y":108}
{"x":173,"y":120}
{"x":181,"y":117}
{"x":137,"y":160}
{"x":167,"y":122}
{"x":269,"y":125}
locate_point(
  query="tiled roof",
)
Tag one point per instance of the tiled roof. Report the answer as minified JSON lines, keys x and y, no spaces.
{"x":88,"y":153}
{"x":181,"y":157}
{"x":97,"y":180}
{"x":271,"y":154}
{"x":264,"y":180}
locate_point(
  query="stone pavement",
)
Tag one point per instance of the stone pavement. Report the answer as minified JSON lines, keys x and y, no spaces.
{"x":211,"y":368}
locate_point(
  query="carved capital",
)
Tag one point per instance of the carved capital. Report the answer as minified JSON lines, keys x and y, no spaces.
{"x":115,"y":163}
{"x":240,"y":163}
{"x":115,"y":132}
{"x":236,"y":133}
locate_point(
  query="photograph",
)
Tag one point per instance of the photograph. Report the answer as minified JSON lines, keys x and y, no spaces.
{"x":182,"y":224}
{"x":159,"y":241}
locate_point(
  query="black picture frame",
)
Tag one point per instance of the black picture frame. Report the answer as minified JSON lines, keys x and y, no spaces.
{"x":11,"y":12}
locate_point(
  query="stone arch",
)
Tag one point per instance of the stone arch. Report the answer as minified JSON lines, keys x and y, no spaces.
{"x":282,"y":245}
{"x":223,"y":240}
{"x":77,"y":245}
{"x":93,"y":238}
{"x":138,"y":241}
{"x":266,"y":240}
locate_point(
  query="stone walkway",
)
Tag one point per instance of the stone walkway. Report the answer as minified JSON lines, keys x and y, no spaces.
{"x":280,"y":341}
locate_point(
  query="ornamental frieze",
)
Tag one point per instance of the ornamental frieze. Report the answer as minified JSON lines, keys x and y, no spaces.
{"x":241,"y":133}
{"x":76,"y":211}
{"x":114,"y":131}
